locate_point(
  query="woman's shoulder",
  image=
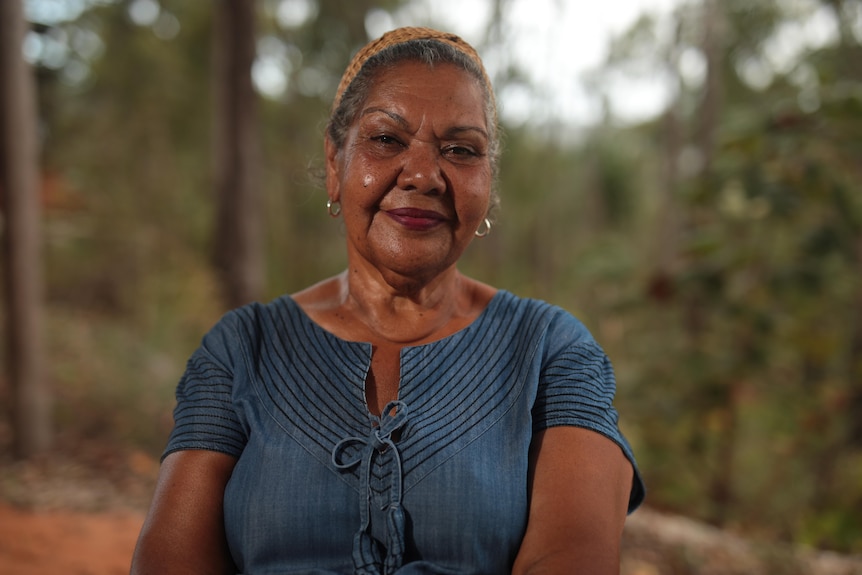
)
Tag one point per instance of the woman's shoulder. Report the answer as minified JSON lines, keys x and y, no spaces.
{"x":249,"y":323}
{"x":254,"y":313}
{"x":536,"y":315}
{"x":536,"y":320}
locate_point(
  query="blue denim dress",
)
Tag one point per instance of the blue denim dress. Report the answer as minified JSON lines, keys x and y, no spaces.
{"x":436,"y":485}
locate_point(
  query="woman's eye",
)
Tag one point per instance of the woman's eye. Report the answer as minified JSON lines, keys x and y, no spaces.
{"x":460,"y":151}
{"x":386,"y":140}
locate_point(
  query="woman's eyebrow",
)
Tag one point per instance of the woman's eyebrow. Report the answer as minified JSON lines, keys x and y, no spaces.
{"x":458,"y":130}
{"x":401,"y":121}
{"x":377,"y":110}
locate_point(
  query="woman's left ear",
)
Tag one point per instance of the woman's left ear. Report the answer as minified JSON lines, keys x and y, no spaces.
{"x":332,"y":179}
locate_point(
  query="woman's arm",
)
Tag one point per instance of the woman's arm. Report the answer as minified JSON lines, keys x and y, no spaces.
{"x":184,"y":530}
{"x":579,"y":493}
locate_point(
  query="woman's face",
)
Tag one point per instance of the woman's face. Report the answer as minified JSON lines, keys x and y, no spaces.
{"x":413,"y":176}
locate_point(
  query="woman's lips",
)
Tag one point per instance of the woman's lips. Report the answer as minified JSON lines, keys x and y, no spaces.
{"x":415,"y":218}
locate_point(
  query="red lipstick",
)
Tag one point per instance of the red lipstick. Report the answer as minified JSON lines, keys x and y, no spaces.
{"x":416,"y":219}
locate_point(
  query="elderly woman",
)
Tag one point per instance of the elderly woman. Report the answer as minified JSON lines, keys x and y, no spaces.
{"x":398,"y":417}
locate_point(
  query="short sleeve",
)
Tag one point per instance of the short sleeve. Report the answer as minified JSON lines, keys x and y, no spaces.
{"x":577,"y":388}
{"x":204,"y":416}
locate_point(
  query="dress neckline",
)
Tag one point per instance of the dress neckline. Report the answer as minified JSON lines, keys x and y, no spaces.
{"x":495,"y":301}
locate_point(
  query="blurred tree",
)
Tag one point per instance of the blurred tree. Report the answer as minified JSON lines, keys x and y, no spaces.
{"x":239,"y":227}
{"x":747,"y":374}
{"x":30,"y":405}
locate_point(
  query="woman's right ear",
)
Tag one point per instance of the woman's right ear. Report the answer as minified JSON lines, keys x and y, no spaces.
{"x":332,"y":169}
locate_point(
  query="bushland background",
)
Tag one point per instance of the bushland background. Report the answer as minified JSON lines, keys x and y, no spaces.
{"x":714,"y":250}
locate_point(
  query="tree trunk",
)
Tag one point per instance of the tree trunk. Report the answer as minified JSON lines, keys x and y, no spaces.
{"x":721,"y":482}
{"x":239,"y":230}
{"x":668,"y":230}
{"x":854,"y":375}
{"x":30,"y":405}
{"x":713,"y":90}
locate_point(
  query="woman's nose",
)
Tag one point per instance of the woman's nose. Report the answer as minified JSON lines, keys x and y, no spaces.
{"x":421,"y":170}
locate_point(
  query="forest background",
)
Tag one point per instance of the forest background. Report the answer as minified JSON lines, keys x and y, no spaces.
{"x":714,"y":250}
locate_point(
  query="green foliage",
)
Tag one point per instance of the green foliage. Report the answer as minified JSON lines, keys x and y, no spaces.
{"x":748,"y":379}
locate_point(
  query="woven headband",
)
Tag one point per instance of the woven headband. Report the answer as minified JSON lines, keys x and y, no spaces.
{"x":400,"y":36}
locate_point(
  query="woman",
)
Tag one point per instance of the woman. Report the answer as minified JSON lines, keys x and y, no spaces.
{"x":399,"y":417}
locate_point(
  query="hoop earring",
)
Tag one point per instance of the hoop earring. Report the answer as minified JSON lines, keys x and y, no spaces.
{"x":333,"y":207}
{"x":481,"y":233}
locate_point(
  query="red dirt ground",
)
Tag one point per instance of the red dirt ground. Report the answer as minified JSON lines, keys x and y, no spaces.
{"x":34,"y":542}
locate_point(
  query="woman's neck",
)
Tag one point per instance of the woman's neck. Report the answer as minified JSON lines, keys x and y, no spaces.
{"x":408,"y":312}
{"x":357,"y":307}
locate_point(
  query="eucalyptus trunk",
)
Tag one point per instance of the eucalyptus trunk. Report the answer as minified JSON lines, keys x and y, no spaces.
{"x":30,"y":405}
{"x":238,"y":235}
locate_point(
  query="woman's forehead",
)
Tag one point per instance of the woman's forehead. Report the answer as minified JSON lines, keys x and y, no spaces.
{"x":440,"y":81}
{"x":401,"y":92}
